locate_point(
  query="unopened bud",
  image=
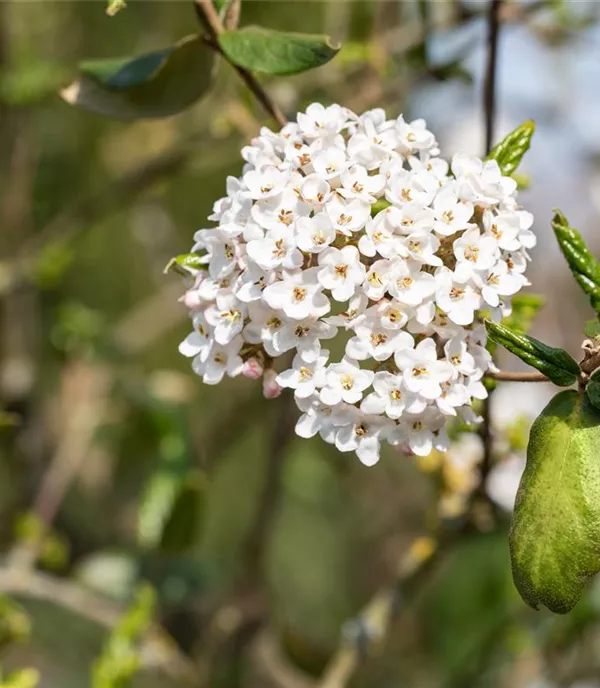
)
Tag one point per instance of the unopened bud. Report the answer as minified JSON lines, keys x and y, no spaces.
{"x":191,"y":299}
{"x":252,"y":369}
{"x":271,"y":389}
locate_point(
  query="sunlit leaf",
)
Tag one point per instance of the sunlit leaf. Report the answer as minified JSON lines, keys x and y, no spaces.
{"x":510,"y":151}
{"x":276,"y":52}
{"x":555,"y":535}
{"x":157,"y":84}
{"x":584,"y":267}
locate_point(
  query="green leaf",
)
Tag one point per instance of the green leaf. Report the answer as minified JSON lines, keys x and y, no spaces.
{"x":185,"y":263}
{"x":510,"y":151}
{"x":556,"y":364}
{"x":115,"y":6}
{"x":157,"y":84}
{"x":276,"y":52}
{"x":121,"y":655}
{"x":379,"y":205}
{"x":593,"y":391}
{"x":525,"y":307}
{"x":584,"y":267}
{"x":555,"y":533}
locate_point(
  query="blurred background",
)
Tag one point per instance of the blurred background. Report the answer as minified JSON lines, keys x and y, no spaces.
{"x":158,"y":532}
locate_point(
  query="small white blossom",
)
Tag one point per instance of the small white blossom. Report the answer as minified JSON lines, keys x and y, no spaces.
{"x":345,"y":381}
{"x":341,"y":271}
{"x":305,"y":377}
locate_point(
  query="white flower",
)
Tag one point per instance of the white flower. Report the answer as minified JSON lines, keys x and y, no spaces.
{"x":378,"y":278}
{"x":374,"y":340}
{"x":266,"y":182}
{"x":497,"y":282}
{"x":299,"y":295}
{"x":480,"y":182}
{"x":458,"y":357}
{"x":303,"y":335}
{"x":357,"y":182}
{"x":423,"y":433}
{"x":454,"y":394}
{"x":421,"y":370}
{"x":478,"y":251}
{"x":391,"y":397}
{"x":330,"y":163}
{"x":305,"y":377}
{"x":423,"y":248}
{"x":280,"y":212}
{"x":319,"y":121}
{"x":199,"y":341}
{"x":318,"y":417}
{"x":218,"y":361}
{"x":277,"y":249}
{"x":348,"y":216}
{"x":315,"y":233}
{"x":315,"y":190}
{"x":341,"y":271}
{"x":227,"y":318}
{"x":409,"y":285}
{"x":504,"y":227}
{"x":451,"y":214}
{"x":363,"y":436}
{"x":345,"y":381}
{"x":407,"y":186}
{"x":456,"y":296}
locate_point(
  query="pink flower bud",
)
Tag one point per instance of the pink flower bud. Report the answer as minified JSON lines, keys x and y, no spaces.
{"x":191,"y":299}
{"x":271,"y":389}
{"x":252,"y":369}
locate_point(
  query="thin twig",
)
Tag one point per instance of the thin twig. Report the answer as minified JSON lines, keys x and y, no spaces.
{"x":489,"y":89}
{"x":214,"y":26}
{"x":505,"y":376}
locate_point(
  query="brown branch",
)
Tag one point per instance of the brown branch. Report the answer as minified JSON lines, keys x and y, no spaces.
{"x":214,"y":26}
{"x":505,"y":376}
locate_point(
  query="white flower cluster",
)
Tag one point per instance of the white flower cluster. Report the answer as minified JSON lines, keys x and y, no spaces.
{"x":354,"y":224}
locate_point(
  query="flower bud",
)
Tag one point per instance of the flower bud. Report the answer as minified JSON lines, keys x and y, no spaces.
{"x":271,"y":389}
{"x":253,"y":369}
{"x":191,"y":299}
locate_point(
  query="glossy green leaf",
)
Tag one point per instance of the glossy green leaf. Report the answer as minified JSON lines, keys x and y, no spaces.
{"x":276,"y":52}
{"x":115,"y":6}
{"x":157,"y":84}
{"x":593,"y":391}
{"x":185,"y":263}
{"x":584,"y":267}
{"x":555,"y":533}
{"x":555,"y":363}
{"x":510,"y":151}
